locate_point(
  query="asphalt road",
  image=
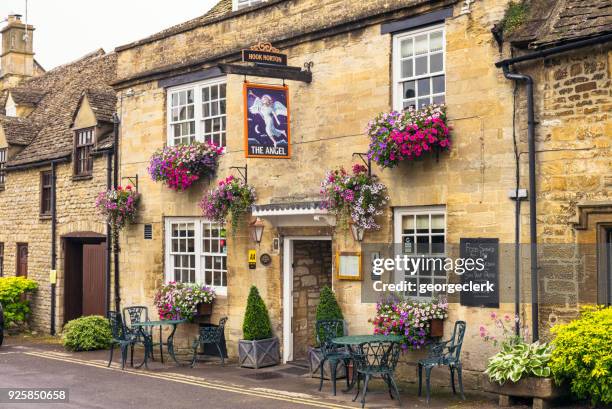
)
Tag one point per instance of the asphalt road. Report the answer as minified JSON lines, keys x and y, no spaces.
{"x":94,"y":386}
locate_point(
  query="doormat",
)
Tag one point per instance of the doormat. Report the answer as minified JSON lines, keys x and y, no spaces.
{"x":263,"y":376}
{"x":294,"y":370}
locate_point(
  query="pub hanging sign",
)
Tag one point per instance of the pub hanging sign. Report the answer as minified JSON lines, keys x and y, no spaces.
{"x":264,"y":53}
{"x":266,"y":121}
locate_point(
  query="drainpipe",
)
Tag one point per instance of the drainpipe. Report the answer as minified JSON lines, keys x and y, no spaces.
{"x":53,"y":242}
{"x":505,"y":64}
{"x":109,"y":237}
{"x":115,"y":184}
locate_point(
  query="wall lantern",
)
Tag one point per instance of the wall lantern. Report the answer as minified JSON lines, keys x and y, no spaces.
{"x":357,"y":232}
{"x":257,"y":228}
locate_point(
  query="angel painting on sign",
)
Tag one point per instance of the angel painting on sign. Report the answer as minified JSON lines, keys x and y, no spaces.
{"x":267,"y":121}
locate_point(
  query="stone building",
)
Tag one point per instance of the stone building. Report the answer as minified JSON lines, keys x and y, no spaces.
{"x":363,"y":58}
{"x":55,"y":138}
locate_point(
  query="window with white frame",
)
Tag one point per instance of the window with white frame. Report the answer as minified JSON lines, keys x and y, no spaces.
{"x":421,"y":232}
{"x":197,"y":112}
{"x":240,"y":4}
{"x":196,"y":252}
{"x":418,"y":68}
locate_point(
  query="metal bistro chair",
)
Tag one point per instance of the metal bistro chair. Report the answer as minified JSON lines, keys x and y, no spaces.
{"x":121,"y":337}
{"x":210,"y":335}
{"x":327,"y":330}
{"x":136,"y":314}
{"x":445,"y":353}
{"x":377,"y":358}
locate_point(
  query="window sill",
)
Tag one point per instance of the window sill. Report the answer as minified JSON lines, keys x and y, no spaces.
{"x":44,"y":217}
{"x":81,"y":177}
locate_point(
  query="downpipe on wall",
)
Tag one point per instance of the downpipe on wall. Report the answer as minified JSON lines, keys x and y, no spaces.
{"x":53,"y":243}
{"x":116,"y":122}
{"x":109,"y":185}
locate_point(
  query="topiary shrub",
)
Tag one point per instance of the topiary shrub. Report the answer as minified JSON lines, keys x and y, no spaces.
{"x":87,"y":334}
{"x":16,"y":306}
{"x":256,"y":324}
{"x":328,"y":308}
{"x":583,"y":355}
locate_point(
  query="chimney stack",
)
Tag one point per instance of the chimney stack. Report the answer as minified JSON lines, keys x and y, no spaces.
{"x":17,"y":56}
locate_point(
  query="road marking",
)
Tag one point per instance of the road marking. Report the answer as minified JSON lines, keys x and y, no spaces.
{"x":194,"y":381}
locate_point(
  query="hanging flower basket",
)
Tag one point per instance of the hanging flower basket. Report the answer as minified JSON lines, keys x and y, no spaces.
{"x":231,"y":198}
{"x":356,"y":198}
{"x":181,"y":301}
{"x":180,"y":166}
{"x":404,"y":136}
{"x":118,"y":206}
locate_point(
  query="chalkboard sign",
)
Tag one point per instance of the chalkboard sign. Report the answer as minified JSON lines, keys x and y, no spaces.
{"x":488,"y":277}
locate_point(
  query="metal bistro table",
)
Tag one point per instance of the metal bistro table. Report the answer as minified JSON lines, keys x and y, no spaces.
{"x":351,"y":341}
{"x":149,"y":339}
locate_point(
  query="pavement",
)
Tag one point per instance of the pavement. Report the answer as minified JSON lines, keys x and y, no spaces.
{"x":91,"y":384}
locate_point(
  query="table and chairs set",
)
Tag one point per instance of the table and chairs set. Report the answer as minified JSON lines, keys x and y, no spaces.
{"x":369,"y":356}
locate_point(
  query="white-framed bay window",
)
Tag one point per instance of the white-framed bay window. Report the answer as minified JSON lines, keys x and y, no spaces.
{"x":421,"y":232}
{"x":419,"y":77}
{"x":196,"y":252}
{"x":197,"y":112}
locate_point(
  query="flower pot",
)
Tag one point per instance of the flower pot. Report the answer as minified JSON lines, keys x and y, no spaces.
{"x":204,"y":309}
{"x":436,"y":328}
{"x":259,"y":353}
{"x":314,"y":364}
{"x":542,"y":390}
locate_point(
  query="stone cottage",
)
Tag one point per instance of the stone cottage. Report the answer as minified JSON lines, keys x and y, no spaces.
{"x":346,"y":62}
{"x":55,"y":141}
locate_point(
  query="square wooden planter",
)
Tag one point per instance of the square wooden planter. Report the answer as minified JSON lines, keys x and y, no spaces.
{"x":314,"y":364}
{"x":259,"y":354}
{"x":542,"y":390}
{"x":436,"y":328}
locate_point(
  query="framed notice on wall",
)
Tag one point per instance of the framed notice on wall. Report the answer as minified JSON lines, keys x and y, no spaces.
{"x":266,"y":121}
{"x":348,"y":265}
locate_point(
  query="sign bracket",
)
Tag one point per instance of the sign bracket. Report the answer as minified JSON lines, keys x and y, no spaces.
{"x":243,"y":171}
{"x":132,"y":179}
{"x":366,"y":161}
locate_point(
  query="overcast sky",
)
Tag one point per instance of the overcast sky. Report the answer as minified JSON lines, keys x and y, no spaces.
{"x":69,"y":29}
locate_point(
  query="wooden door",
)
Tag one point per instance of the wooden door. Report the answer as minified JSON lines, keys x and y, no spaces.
{"x":94,"y":279}
{"x":22,"y":260}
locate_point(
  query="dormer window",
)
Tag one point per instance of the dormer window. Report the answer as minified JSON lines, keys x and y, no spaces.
{"x":83,"y":162}
{"x":240,"y":4}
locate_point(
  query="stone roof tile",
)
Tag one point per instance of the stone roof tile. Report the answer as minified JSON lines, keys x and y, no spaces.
{"x":18,"y":131}
{"x":26,"y":96}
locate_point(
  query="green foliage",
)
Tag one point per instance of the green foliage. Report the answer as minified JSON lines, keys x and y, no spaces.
{"x":328,"y":308}
{"x":583,"y":355}
{"x":16,"y":307}
{"x":519,"y":360}
{"x":87,"y":333}
{"x":256,"y":323}
{"x":515,"y":16}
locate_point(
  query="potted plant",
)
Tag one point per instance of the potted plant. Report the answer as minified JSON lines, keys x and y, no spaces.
{"x":232,"y":197}
{"x":328,"y":309}
{"x":408,"y":135}
{"x":180,"y":166}
{"x":520,"y":369}
{"x":356,"y":198}
{"x":258,"y":348}
{"x":184,"y":301}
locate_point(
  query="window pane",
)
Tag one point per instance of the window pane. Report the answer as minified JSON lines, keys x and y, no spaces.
{"x":409,"y":89}
{"x":436,"y":63}
{"x":420,"y":66}
{"x":409,"y":103}
{"x":423,"y":86}
{"x":438,"y":84}
{"x":423,"y":102}
{"x":407,"y":70}
{"x":438,"y":99}
{"x":422,"y":223}
{"x":406,"y":47}
{"x":408,"y":224}
{"x":437,"y":223}
{"x":420,"y":44}
{"x":435,"y":41}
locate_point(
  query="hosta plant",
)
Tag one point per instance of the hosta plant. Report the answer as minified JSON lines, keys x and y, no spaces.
{"x":180,"y":166}
{"x":519,"y":360}
{"x":357,"y":197}
{"x":399,"y":136}
{"x":231,"y":198}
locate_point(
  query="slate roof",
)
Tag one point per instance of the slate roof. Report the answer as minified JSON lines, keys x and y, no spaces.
{"x":26,"y":96}
{"x":18,"y":131}
{"x":64,"y":86}
{"x":553,"y":22}
{"x":222,"y":8}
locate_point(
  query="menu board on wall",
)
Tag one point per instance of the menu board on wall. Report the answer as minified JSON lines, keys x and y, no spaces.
{"x":486,"y":249}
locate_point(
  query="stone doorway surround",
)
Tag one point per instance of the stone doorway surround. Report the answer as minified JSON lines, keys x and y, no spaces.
{"x":288,"y":286}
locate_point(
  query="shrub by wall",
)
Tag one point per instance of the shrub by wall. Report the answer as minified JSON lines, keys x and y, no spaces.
{"x":87,"y":334}
{"x":256,"y":324}
{"x":13,"y":296}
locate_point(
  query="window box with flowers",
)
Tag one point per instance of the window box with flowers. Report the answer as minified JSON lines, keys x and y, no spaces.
{"x":355,"y":198}
{"x":409,"y":135}
{"x":231,"y":198}
{"x":175,"y":301}
{"x":180,"y":166}
{"x":119,"y":207}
